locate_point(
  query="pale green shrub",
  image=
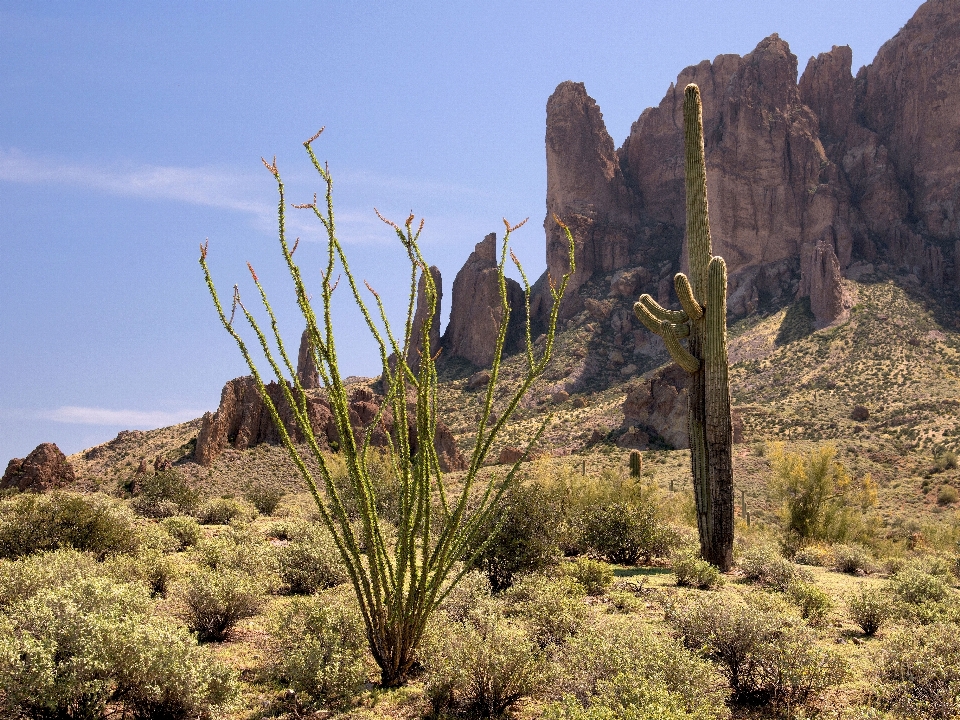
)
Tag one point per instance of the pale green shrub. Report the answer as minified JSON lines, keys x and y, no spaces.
{"x":150,"y":568}
{"x":765,"y":566}
{"x":918,"y":670}
{"x":693,"y":571}
{"x":914,"y":586}
{"x":850,"y":559}
{"x":318,"y":647}
{"x":182,"y":528}
{"x":311,"y":561}
{"x":237,"y":548}
{"x":554,"y":609}
{"x":163,"y":494}
{"x":214,"y":601}
{"x":621,"y":533}
{"x":813,"y":603}
{"x":223,"y":511}
{"x":869,"y":608}
{"x":264,"y":496}
{"x":593,"y":575}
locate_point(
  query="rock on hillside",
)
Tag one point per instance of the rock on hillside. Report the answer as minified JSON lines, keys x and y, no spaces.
{"x":475,"y":311}
{"x":420,"y":317}
{"x":243,"y":420}
{"x":44,"y":468}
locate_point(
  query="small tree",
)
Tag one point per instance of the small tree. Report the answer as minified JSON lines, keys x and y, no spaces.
{"x":397,"y":584}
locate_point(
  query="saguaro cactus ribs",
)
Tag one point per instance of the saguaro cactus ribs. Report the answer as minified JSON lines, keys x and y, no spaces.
{"x":703,"y":322}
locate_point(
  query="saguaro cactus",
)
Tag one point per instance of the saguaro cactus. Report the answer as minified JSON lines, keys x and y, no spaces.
{"x":636,"y":463}
{"x":703,"y":322}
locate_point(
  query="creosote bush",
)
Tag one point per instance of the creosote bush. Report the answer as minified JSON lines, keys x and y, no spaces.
{"x":73,"y":642}
{"x":311,"y":561}
{"x":214,"y":601}
{"x":918,"y":670}
{"x":182,"y":528}
{"x":264,"y":496}
{"x":850,"y":559}
{"x":693,"y":571}
{"x":163,"y":494}
{"x":594,"y":576}
{"x":764,"y":565}
{"x":223,"y":511}
{"x":317,"y":647}
{"x":98,"y":524}
{"x":554,"y":609}
{"x":622,"y":534}
{"x":869,"y":608}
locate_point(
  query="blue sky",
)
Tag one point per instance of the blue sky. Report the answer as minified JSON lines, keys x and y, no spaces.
{"x":131,"y":132}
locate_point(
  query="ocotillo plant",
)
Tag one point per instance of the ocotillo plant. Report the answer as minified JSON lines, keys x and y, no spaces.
{"x":636,"y":464}
{"x":703,"y":322}
{"x":399,"y":583}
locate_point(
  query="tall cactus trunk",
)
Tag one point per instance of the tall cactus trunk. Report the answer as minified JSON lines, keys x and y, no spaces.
{"x":703,"y":321}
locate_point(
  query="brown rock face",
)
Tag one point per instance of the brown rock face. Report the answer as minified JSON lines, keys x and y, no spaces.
{"x":243,"y":420}
{"x":822,"y":283}
{"x":586,"y":189}
{"x":910,"y":97}
{"x":772,"y":187}
{"x":420,"y":317}
{"x":659,"y":404}
{"x":307,"y":372}
{"x":44,"y":468}
{"x":475,"y":312}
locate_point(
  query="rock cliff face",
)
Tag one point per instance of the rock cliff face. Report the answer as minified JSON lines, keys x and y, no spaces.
{"x":45,"y":468}
{"x":475,"y":311}
{"x":420,"y":317}
{"x":242,"y":421}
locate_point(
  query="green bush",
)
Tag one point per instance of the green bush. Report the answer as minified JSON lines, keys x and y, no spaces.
{"x":597,"y":668}
{"x":163,"y":494}
{"x":318,"y":647}
{"x":869,"y":608}
{"x":815,"y":555}
{"x":765,"y":566}
{"x":767,"y":654}
{"x":482,"y":666}
{"x":812,"y":602}
{"x":23,"y":578}
{"x":693,"y":571}
{"x":32,"y":523}
{"x":622,"y":534}
{"x":918,"y":671}
{"x":214,"y":601}
{"x":182,"y":528}
{"x":554,"y":609}
{"x":522,"y":537}
{"x":264,"y":496}
{"x":915,"y":586}
{"x":223,"y":511}
{"x":71,"y":646}
{"x":151,"y":569}
{"x":310,"y":561}
{"x":593,"y":575}
{"x":850,"y":559}
{"x":235,"y":548}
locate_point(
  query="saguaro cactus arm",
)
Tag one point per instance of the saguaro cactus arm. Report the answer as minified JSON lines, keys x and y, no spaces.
{"x":688,"y":302}
{"x":671,"y":325}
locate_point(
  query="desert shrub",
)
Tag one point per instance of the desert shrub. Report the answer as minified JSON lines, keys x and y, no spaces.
{"x":850,"y":559}
{"x":482,"y":666}
{"x":947,"y":495}
{"x":812,"y":602}
{"x":766,"y":652}
{"x":597,"y":666}
{"x":622,"y":534}
{"x":764,"y":565}
{"x":223,"y":511}
{"x":237,"y":548}
{"x":472,"y":591}
{"x":813,"y":555}
{"x":25,"y":577}
{"x":522,"y":537}
{"x":32,"y":523}
{"x":264,"y":496}
{"x":71,"y":646}
{"x":554,"y":609}
{"x":163,"y":494}
{"x":182,"y":528}
{"x":593,"y":575}
{"x":318,"y":646}
{"x":693,"y":571}
{"x":918,"y":670}
{"x":311,"y":561}
{"x":869,"y":608}
{"x":820,"y":501}
{"x":915,"y":586}
{"x":214,"y":601}
{"x":151,"y":569}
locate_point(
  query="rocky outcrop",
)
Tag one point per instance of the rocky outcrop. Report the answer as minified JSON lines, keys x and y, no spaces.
{"x":476,"y":311}
{"x":420,"y":317}
{"x":657,"y":405}
{"x":45,"y":468}
{"x":773,"y":190}
{"x":586,"y":189}
{"x":821,"y":281}
{"x":307,"y":372}
{"x":243,"y":420}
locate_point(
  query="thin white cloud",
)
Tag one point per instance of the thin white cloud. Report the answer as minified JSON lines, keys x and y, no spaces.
{"x":150,"y":419}
{"x":197,"y":186}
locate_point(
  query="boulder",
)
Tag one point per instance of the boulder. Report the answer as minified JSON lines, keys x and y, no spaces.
{"x":658,"y":403}
{"x":45,"y":468}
